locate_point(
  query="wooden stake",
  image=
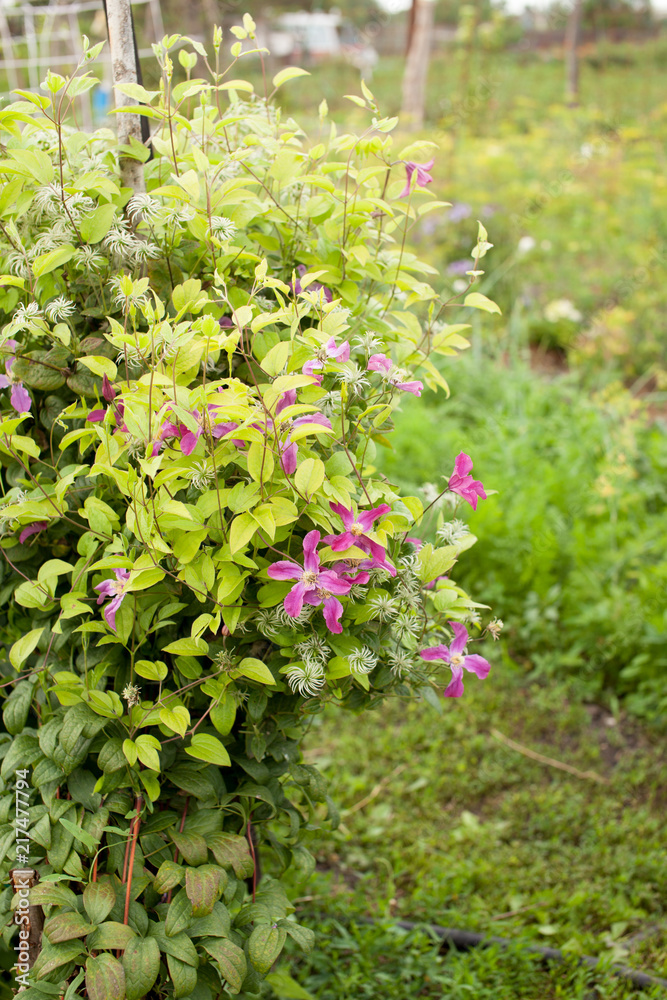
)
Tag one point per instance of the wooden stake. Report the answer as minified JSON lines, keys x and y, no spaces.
{"x":124,"y":70}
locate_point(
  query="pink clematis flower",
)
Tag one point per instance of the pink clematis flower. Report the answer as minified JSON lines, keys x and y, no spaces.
{"x":356,"y":533}
{"x":190,"y":438}
{"x":455,"y":655}
{"x":384,"y":365}
{"x":288,"y":448}
{"x":314,"y":585}
{"x":32,"y":529}
{"x":461,"y":481}
{"x":423,"y":176}
{"x":114,"y":589}
{"x":19,"y":396}
{"x":324,"y":354}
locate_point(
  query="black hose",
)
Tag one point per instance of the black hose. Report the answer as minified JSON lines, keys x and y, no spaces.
{"x":465,"y":940}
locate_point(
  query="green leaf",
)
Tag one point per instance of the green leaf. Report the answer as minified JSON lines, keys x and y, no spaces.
{"x":111,"y":935}
{"x":231,"y":851}
{"x":177,"y":719}
{"x":168,"y":875}
{"x":179,"y":914}
{"x":187,"y":647}
{"x":95,"y":225}
{"x":48,"y":262}
{"x":432,"y":563}
{"x":151,"y":671}
{"x":99,"y":899}
{"x":202,"y":886}
{"x":99,"y":366}
{"x":243,"y":528}
{"x":287,"y":988}
{"x":17,"y":707}
{"x":223,"y":715}
{"x":105,"y":978}
{"x":289,"y":73}
{"x":141,"y":961}
{"x":264,"y":945}
{"x":208,"y":748}
{"x":179,"y":946}
{"x":479,"y":301}
{"x":260,"y":464}
{"x":309,"y":476}
{"x":183,"y":977}
{"x":147,"y":750}
{"x":24,"y":646}
{"x":66,"y":926}
{"x":192,"y":846}
{"x":54,"y":955}
{"x":76,"y":831}
{"x":255,"y":670}
{"x":231,"y":961}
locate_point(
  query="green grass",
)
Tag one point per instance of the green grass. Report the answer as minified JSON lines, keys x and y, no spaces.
{"x":441,"y":822}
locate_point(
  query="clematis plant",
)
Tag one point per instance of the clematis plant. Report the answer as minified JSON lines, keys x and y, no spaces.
{"x":198,"y":550}
{"x":458,"y":659}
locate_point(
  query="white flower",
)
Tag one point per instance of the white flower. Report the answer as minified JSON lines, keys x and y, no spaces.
{"x":222,"y":227}
{"x":119,"y":239}
{"x":459,"y":285}
{"x":24,"y":316}
{"x":525,"y":245}
{"x":306,"y":678}
{"x":562,"y":309}
{"x":354,"y":377}
{"x":201,"y":475}
{"x":89,"y":259}
{"x":60,"y":308}
{"x":495,"y":627}
{"x":400,"y":662}
{"x":143,"y":206}
{"x":132,"y":695}
{"x":362,"y":661}
{"x":384,"y":607}
{"x":453,"y":531}
{"x":313,"y":650}
{"x":369,"y":341}
{"x":407,"y":624}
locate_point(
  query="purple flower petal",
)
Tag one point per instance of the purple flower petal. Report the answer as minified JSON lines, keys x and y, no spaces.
{"x":435,"y":653}
{"x":477,"y":665}
{"x":285,"y":570}
{"x":294,"y":601}
{"x":332,"y":611}
{"x":96,"y":416}
{"x":32,"y":529}
{"x":311,"y":560}
{"x":20,"y":398}
{"x":455,"y":687}
{"x":108,"y":391}
{"x":460,"y":640}
{"x":379,"y":363}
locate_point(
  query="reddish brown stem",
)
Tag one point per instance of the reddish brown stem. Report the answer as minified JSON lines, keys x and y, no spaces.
{"x":130,"y":870}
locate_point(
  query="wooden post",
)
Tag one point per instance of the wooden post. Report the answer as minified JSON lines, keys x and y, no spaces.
{"x":416,"y":64}
{"x":124,"y":70}
{"x":572,"y":32}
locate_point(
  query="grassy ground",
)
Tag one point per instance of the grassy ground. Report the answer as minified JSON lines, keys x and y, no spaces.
{"x":442,"y":821}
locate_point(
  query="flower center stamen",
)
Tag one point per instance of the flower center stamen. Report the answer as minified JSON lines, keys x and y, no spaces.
{"x":310,"y":579}
{"x":356,"y":530}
